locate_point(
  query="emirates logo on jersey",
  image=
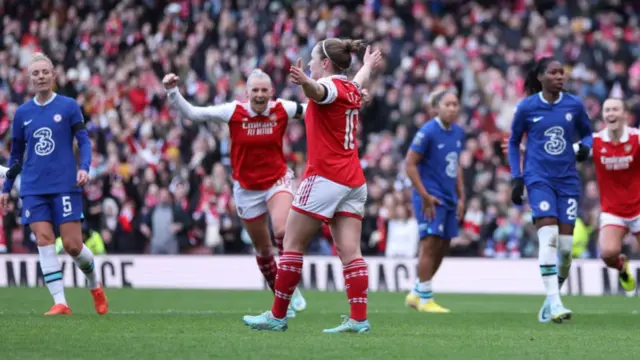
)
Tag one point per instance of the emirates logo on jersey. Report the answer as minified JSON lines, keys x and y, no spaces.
{"x":616,"y":162}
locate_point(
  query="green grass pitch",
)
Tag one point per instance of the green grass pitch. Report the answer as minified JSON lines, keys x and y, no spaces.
{"x":193,"y":324}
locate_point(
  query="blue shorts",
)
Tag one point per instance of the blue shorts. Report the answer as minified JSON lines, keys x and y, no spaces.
{"x":545,"y":201}
{"x":54,"y":208}
{"x":444,"y":224}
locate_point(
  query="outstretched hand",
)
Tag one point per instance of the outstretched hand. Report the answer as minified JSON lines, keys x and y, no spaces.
{"x":372,"y":58}
{"x":298,"y":76}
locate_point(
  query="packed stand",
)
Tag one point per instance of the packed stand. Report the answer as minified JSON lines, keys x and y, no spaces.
{"x":111,"y":57}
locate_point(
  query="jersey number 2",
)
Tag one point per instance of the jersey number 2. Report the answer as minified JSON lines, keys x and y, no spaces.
{"x":572,"y":210}
{"x":349,"y":129}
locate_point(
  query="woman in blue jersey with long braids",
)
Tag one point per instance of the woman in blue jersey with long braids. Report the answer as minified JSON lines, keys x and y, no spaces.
{"x":552,"y":119}
{"x":438,"y":197}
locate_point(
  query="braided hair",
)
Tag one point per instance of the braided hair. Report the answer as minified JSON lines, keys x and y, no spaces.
{"x":531,"y":83}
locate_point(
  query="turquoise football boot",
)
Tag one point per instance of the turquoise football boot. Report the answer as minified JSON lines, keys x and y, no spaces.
{"x":265,"y":321}
{"x":350,"y":326}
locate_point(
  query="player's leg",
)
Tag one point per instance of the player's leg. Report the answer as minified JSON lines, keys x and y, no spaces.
{"x":36,"y":212}
{"x":68,"y":215}
{"x":612,"y":233}
{"x":315,"y":201}
{"x":430,"y":253}
{"x":543,"y":202}
{"x":346,"y":230}
{"x":252,"y":210}
{"x":567,"y":215}
{"x":279,"y":202}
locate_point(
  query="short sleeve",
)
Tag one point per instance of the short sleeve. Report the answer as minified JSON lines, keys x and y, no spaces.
{"x":291,"y":107}
{"x":332,"y":91}
{"x":420,"y":142}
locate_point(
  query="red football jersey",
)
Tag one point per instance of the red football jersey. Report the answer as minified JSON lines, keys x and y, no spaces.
{"x":618,"y":172}
{"x":332,"y":148}
{"x":257,"y":160}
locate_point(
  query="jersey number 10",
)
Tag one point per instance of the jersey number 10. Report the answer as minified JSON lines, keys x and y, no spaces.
{"x":349,"y":129}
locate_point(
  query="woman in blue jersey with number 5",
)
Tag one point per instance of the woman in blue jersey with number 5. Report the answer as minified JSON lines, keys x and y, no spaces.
{"x":553,"y":120}
{"x":438,"y":197}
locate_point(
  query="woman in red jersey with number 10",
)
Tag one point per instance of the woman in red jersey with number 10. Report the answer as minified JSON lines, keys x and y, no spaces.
{"x":334,"y":187}
{"x":262,"y":181}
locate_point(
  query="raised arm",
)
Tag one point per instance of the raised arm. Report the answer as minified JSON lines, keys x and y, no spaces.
{"x":218,"y":113}
{"x":370,"y":62}
{"x":294,"y":109}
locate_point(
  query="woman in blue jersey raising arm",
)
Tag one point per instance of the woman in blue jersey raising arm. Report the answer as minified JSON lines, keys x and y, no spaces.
{"x":438,"y":196}
{"x":552,"y":119}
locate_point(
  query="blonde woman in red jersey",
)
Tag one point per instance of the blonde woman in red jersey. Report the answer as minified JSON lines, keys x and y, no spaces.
{"x":334,"y":188}
{"x":616,"y":156}
{"x":262,"y":180}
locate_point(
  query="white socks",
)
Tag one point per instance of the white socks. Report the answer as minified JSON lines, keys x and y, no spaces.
{"x":52,"y":272}
{"x":548,"y":239}
{"x":423,"y":290}
{"x":84,"y":262}
{"x":565,"y":250}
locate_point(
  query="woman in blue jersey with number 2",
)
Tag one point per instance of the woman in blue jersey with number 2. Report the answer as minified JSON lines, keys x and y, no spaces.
{"x":553,"y":120}
{"x":438,"y":197}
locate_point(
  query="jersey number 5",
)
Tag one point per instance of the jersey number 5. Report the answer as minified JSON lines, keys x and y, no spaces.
{"x":66,"y":204}
{"x":349,"y":129}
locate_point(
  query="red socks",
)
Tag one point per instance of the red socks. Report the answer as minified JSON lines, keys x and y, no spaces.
{"x":620,"y":263}
{"x":289,"y":275}
{"x":269,"y":269}
{"x":356,"y":282}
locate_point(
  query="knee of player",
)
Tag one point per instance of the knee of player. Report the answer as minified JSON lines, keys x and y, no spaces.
{"x":72,"y":247}
{"x":45,"y":238}
{"x":608,"y":252}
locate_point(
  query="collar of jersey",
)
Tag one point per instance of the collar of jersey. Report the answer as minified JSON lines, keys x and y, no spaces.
{"x":623,"y":138}
{"x":546,"y":102}
{"x":437,"y":119}
{"x":252,"y":113}
{"x":53,"y":96}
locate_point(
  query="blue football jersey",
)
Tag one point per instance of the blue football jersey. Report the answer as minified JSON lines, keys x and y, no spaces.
{"x":438,"y":169}
{"x":45,"y":133}
{"x":551,"y":130}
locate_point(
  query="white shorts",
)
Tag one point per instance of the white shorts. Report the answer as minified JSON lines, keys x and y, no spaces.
{"x":252,"y":204}
{"x":633,"y":224}
{"x":322,"y":199}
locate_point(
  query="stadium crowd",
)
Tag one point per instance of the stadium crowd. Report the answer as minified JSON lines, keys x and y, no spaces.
{"x":110,"y":56}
